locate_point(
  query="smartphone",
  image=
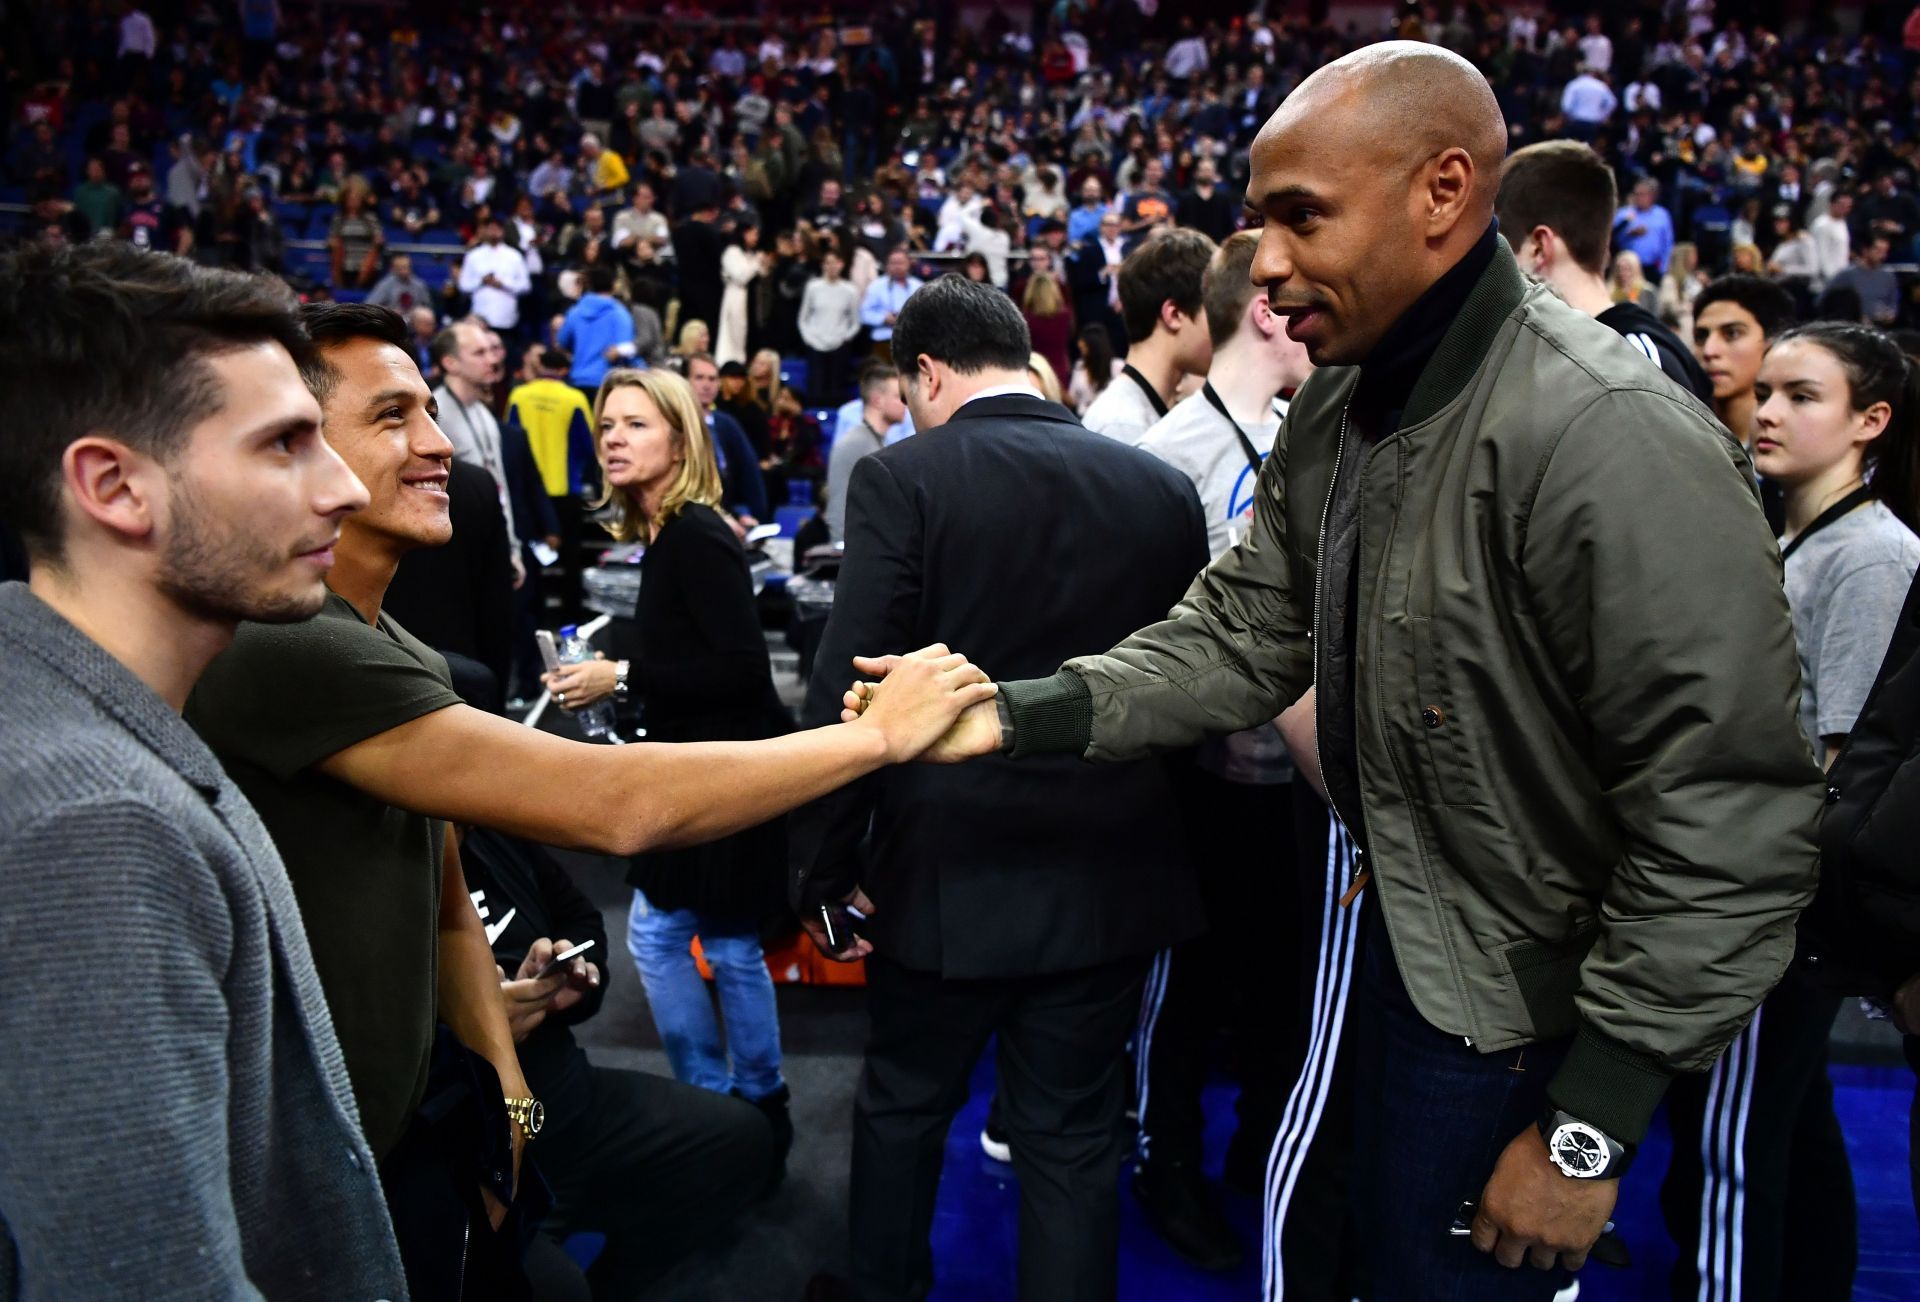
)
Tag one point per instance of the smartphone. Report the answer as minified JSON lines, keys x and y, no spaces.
{"x":561,"y":959}
{"x":838,"y":921}
{"x":543,"y":553}
{"x":549,"y":649}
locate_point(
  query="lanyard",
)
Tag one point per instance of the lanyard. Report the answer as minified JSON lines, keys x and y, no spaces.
{"x":1246,"y":444}
{"x":1858,"y":497}
{"x":1153,"y":394}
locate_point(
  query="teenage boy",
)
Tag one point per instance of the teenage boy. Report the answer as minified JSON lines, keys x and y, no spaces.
{"x":191,"y":1118}
{"x":1734,"y":319}
{"x":1166,"y":333}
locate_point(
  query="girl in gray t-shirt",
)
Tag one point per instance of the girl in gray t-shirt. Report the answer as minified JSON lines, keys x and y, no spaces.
{"x":1835,"y":429}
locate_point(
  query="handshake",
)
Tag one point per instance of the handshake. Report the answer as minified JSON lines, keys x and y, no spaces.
{"x":929,"y":705}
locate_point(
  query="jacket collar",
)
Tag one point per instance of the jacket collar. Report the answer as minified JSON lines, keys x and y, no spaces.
{"x":30,"y":625}
{"x":1031,"y":406}
{"x":1498,"y":291}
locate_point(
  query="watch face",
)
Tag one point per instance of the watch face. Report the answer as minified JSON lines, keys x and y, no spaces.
{"x":1579,"y":1150}
{"x":537,"y":1120}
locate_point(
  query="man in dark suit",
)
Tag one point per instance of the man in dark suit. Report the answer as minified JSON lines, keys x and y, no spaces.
{"x":1006,"y":527}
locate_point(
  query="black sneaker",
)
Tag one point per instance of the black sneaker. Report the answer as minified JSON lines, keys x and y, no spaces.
{"x":1180,"y":1205}
{"x":774,"y":1108}
{"x":993,"y":1136}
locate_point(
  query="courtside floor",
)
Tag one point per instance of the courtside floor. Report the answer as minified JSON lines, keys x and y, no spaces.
{"x":975,"y":1224}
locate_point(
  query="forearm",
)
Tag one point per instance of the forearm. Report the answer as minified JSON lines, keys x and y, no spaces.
{"x":469,"y":989}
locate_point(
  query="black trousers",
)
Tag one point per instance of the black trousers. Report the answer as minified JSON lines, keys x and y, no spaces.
{"x":567,"y":510}
{"x":658,"y":1167}
{"x":1238,"y":980}
{"x":1062,"y":1081}
{"x":1759,"y":1197}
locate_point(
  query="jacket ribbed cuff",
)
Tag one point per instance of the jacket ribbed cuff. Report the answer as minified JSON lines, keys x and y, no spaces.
{"x":1050,"y":715}
{"x":1606,"y":1084}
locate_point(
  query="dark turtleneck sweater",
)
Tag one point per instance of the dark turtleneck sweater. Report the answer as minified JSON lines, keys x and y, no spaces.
{"x":1387,"y":378}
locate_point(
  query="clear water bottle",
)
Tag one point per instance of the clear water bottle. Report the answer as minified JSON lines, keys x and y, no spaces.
{"x":597,"y":719}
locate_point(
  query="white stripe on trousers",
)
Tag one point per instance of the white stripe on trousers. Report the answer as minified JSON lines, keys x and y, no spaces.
{"x":1723,"y":1163}
{"x":1154,"y":995}
{"x":1299,"y":1124}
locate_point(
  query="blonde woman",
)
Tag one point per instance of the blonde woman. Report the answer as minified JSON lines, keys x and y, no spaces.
{"x":1630,"y":283}
{"x":1745,"y":259}
{"x":702,"y":674}
{"x":1678,"y":288}
{"x":1044,"y":378}
{"x":694,"y":338}
{"x":763,"y":378}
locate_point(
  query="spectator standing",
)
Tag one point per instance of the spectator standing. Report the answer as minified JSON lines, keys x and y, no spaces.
{"x":463,"y":355}
{"x":697,"y":246}
{"x":1680,"y":286}
{"x":703,"y":675}
{"x":201,"y":494}
{"x":881,"y":408}
{"x":1874,"y":282}
{"x":1587,"y":103}
{"x":1094,"y":367}
{"x":603,"y":171}
{"x":400,"y":290}
{"x":643,"y":222}
{"x":1893,"y":214}
{"x":1555,"y":207}
{"x":355,"y":238}
{"x":495,"y":274}
{"x":559,"y":431}
{"x":1049,"y":319}
{"x":830,"y":328}
{"x":968,"y":888}
{"x":744,"y":491}
{"x":599,"y":332}
{"x":1206,"y":207}
{"x":739,"y":268}
{"x":1644,"y":228}
{"x":884,"y":299}
{"x":1629,"y":283}
{"x":1769,"y":1171}
{"x":1832,"y":240}
{"x":1237,"y":974}
{"x":1165,"y":314}
{"x":1083,"y":223}
{"x":97,"y":199}
{"x":1734,"y":319}
{"x":148,"y":223}
{"x":1093,"y":272}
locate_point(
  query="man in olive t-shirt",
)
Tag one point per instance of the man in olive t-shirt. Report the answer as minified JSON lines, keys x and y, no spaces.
{"x":280,"y":700}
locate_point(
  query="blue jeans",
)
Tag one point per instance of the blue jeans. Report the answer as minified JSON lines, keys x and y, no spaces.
{"x":682,"y":1012}
{"x":1433,"y":1117}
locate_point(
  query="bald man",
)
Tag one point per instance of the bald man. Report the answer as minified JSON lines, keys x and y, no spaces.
{"x":1556,"y":700}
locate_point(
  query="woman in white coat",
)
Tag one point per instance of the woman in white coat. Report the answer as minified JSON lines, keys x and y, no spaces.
{"x":739,"y":264}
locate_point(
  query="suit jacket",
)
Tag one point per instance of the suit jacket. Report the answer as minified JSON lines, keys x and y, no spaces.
{"x":459,"y":598}
{"x":1015,"y":535}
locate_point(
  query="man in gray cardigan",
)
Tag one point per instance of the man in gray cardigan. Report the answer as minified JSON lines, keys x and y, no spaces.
{"x":188,"y":1126}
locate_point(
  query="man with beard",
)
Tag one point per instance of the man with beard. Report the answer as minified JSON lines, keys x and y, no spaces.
{"x":147,"y":222}
{"x":192,"y":1117}
{"x":346,"y":734}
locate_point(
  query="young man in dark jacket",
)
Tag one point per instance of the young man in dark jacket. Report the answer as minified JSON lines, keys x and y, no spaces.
{"x":1557,"y":689}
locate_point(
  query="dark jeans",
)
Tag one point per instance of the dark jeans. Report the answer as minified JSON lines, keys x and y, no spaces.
{"x":1432,"y":1117}
{"x":1240,"y":978}
{"x":658,"y":1167}
{"x":1062,"y":1097}
{"x":1759,"y":1198}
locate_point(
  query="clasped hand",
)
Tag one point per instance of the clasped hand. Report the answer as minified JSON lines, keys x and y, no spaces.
{"x":974,"y":733}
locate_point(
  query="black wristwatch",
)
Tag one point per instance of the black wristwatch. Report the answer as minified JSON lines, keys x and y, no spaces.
{"x":1581,"y":1150}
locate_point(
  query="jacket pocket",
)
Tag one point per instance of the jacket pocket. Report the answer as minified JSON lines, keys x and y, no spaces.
{"x":1441,"y":721}
{"x":1546,"y":976}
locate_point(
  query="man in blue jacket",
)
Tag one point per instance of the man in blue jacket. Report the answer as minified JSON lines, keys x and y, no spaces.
{"x":594,"y":330}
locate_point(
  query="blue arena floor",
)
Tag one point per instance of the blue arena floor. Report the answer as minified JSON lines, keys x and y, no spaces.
{"x":975,"y":1224}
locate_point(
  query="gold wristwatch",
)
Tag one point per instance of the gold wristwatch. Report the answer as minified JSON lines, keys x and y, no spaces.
{"x":528,"y":1114}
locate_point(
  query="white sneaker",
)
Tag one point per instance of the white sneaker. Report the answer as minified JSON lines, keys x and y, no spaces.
{"x":1571,"y":1293}
{"x":995,"y":1145}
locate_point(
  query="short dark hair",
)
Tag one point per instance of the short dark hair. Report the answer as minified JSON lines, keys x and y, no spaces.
{"x":445,"y":342}
{"x":555,"y":359}
{"x":1769,"y":303}
{"x":599,"y":279}
{"x":333,"y":324}
{"x":968,"y":325}
{"x":873,"y":375}
{"x":104,"y":338}
{"x":1566,"y":187}
{"x":1168,"y":267}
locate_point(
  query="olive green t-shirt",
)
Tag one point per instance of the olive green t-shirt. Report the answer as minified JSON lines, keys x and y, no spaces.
{"x":281,"y":699}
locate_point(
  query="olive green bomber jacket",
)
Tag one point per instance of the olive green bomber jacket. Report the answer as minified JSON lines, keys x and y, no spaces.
{"x":1588,"y":807}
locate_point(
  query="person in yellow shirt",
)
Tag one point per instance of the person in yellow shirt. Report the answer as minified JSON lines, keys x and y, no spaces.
{"x":559,"y":428}
{"x":606,"y":168}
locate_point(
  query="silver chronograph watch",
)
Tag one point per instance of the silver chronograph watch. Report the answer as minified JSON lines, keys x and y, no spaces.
{"x":1582,"y":1150}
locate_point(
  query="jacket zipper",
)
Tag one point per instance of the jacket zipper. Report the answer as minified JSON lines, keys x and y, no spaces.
{"x":1320,"y":579}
